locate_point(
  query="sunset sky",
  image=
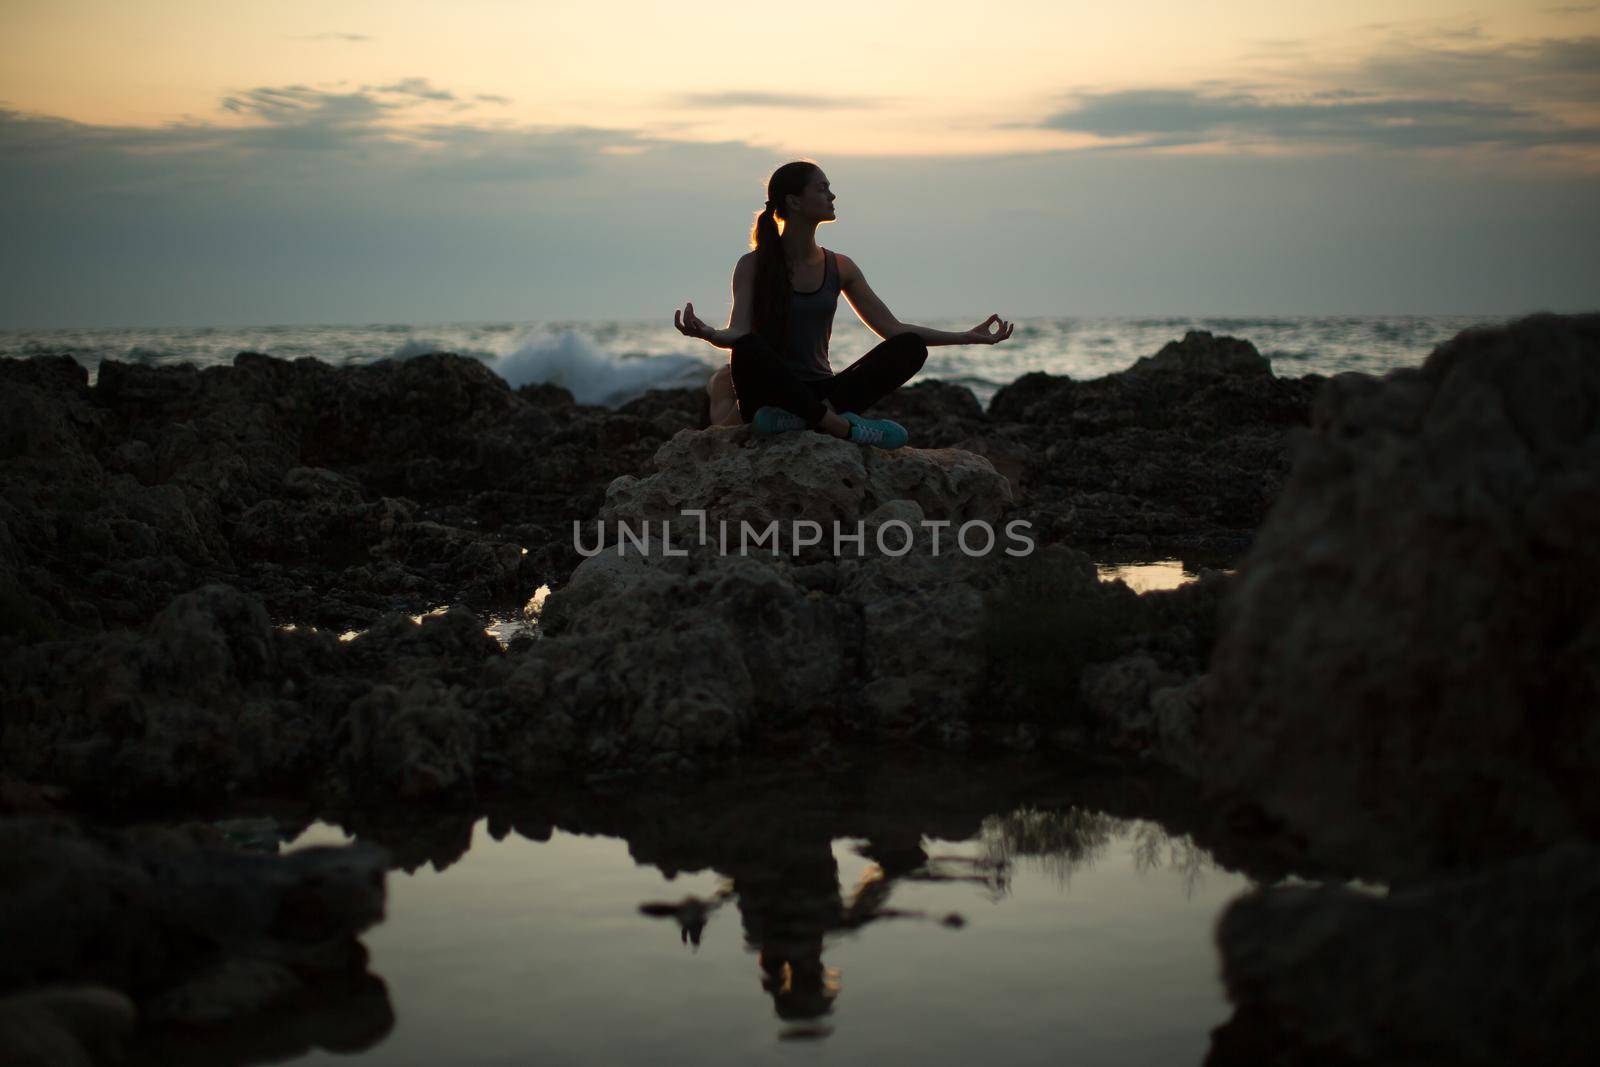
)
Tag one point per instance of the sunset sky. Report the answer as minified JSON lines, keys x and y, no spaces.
{"x":192,"y":163}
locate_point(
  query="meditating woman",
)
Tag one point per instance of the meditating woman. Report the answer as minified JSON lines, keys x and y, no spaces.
{"x":784,"y":294}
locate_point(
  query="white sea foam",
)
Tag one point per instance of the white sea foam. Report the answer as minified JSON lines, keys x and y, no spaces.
{"x":608,"y":362}
{"x":593,"y":375}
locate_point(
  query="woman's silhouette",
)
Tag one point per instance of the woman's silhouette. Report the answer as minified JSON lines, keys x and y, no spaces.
{"x":784,"y":294}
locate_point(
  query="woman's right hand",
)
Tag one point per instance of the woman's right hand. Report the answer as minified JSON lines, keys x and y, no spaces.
{"x":690,"y":325}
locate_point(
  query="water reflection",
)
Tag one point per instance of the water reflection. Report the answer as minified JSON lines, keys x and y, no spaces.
{"x":790,"y":905}
{"x":925,"y":886}
{"x":1061,"y":842}
{"x":344,"y":1013}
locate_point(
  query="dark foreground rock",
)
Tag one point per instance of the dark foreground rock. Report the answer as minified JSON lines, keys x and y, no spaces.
{"x":338,"y":494}
{"x":171,"y":922}
{"x":1408,"y":667}
{"x":1181,"y":453}
{"x":333,"y":494}
{"x":658,"y":656}
{"x":1406,"y":680}
{"x":1491,"y":969}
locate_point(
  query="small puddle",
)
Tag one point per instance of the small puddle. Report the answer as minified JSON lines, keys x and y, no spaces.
{"x":937,"y":912}
{"x":1055,"y":936}
{"x":1148,"y":577}
{"x":503,"y":628}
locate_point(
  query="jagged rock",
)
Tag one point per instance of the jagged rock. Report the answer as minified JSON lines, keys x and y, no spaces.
{"x":211,"y":700}
{"x":340,"y":494}
{"x":336,"y":494}
{"x":736,"y":477}
{"x":191,"y":704}
{"x":889,"y":639}
{"x":1409,"y":660}
{"x":937,"y":414}
{"x":1199,"y":353}
{"x":1182,"y":452}
{"x":1096,"y":665}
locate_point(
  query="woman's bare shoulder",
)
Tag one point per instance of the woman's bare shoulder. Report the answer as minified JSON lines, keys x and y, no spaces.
{"x":848,"y":271}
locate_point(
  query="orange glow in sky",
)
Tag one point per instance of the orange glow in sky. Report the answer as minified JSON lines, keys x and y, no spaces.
{"x":895,"y":77}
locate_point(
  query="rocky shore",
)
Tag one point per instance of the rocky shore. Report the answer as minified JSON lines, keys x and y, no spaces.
{"x":273,"y":580}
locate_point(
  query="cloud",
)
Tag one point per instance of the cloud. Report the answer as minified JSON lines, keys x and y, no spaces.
{"x":492,"y":98}
{"x":420,"y":88}
{"x":1166,"y":117}
{"x":334,"y":37}
{"x":414,"y":217}
{"x":1534,"y":72}
{"x":750,"y":98}
{"x":1570,"y":9}
{"x":310,"y":134}
{"x":313,"y":118}
{"x":1411,"y":96}
{"x":303,"y":107}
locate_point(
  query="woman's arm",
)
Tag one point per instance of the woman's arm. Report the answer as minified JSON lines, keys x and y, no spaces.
{"x":739,"y":319}
{"x":877,"y":317}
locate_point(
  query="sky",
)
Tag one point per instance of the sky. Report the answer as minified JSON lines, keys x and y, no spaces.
{"x":206,"y":162}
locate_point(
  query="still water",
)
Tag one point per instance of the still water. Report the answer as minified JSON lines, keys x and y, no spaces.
{"x":1030,"y":935}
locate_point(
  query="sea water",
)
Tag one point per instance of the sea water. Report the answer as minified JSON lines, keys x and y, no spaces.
{"x":611,"y":362}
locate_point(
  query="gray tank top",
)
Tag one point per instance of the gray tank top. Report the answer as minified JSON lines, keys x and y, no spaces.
{"x":811,"y":324}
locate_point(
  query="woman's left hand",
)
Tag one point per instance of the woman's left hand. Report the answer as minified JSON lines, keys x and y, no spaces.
{"x":690,"y":325}
{"x":981,"y":335}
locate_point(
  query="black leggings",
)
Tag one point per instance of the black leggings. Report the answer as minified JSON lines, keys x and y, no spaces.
{"x":760,"y":378}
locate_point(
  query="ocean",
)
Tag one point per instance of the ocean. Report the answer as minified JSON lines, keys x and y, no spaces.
{"x":612,"y":362}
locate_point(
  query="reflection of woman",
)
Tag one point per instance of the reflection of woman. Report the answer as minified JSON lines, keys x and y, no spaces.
{"x":785,"y":292}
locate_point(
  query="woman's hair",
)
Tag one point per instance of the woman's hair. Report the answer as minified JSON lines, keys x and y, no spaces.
{"x":774,"y":287}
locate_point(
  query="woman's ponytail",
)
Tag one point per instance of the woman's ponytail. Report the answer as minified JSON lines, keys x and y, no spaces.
{"x":774,"y":286}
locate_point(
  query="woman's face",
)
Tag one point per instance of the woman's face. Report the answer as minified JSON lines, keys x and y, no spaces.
{"x":815,"y":201}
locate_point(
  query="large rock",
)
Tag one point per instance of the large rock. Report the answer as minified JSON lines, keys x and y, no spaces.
{"x":734,"y":476}
{"x":1181,"y":453}
{"x":212,"y":701}
{"x":1408,"y":670}
{"x":1493,"y":969}
{"x":335,"y":494}
{"x":886,"y":640}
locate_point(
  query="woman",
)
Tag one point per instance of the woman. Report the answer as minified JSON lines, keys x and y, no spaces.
{"x":785,"y":292}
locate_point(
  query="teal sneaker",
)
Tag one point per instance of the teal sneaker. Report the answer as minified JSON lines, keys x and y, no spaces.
{"x":770,"y":420}
{"x":880,"y":433}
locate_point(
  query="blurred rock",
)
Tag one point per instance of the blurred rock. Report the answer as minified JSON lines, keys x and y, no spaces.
{"x":1492,"y":969}
{"x":187,"y":928}
{"x":1409,"y":660}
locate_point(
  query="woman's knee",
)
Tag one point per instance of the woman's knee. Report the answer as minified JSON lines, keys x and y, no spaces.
{"x":912,"y":349}
{"x":721,"y":382}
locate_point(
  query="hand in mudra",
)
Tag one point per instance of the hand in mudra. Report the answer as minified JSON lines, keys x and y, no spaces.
{"x":690,"y":324}
{"x":980,"y":334}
